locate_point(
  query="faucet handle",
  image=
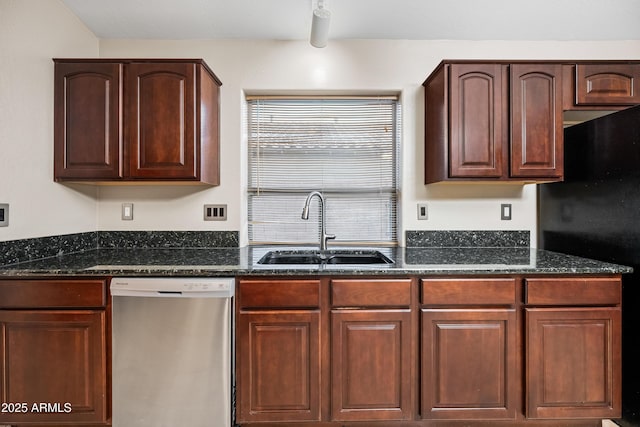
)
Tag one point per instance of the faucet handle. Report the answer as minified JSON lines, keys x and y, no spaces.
{"x":327,"y":237}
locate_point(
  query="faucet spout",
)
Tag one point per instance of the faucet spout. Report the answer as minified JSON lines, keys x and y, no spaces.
{"x":305,"y":215}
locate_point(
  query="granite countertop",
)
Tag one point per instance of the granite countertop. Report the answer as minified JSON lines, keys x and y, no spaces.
{"x":243,"y":261}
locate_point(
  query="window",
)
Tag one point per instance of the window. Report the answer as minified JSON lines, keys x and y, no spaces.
{"x":346,"y":148}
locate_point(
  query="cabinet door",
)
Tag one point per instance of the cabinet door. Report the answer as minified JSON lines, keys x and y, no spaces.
{"x":88,"y":134}
{"x":607,"y":84}
{"x":536,"y":121}
{"x":278,"y":359}
{"x":371,"y":365}
{"x":573,"y":363}
{"x":55,"y":363}
{"x":160,"y":120}
{"x":469,"y":364}
{"x":478,"y":121}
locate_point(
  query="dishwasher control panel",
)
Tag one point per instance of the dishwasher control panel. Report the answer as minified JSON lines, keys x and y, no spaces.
{"x":173,"y":287}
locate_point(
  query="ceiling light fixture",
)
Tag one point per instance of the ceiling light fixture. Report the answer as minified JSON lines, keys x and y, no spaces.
{"x":320,"y":26}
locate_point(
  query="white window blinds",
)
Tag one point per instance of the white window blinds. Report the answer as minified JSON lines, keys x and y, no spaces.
{"x":347,"y":148}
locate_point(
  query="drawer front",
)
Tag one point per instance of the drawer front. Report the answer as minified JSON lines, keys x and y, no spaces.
{"x":279,"y":293}
{"x":573,"y":291}
{"x":53,"y":293}
{"x":607,"y":84}
{"x":468,"y":291}
{"x":371,"y":293}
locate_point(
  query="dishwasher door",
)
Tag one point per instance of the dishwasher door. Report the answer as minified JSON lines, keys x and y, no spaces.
{"x":172,"y":357}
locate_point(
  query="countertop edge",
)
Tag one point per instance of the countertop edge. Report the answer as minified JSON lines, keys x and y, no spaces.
{"x":242,"y":262}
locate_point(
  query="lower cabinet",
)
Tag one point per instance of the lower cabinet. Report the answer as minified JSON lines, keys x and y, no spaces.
{"x":573,"y":364}
{"x":468,"y":364}
{"x":278,"y":351}
{"x":53,"y":352}
{"x":437,"y":351}
{"x":371,"y":349}
{"x":279,"y":365}
{"x":469,"y":350}
{"x":280,"y":343}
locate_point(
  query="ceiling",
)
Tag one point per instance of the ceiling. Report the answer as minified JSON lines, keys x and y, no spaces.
{"x":363,"y":19}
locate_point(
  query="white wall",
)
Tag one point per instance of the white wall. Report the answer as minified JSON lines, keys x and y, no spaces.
{"x":343,"y":67}
{"x":32,"y":32}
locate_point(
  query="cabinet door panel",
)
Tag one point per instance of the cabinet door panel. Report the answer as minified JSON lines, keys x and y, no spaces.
{"x":468,"y":364}
{"x":57,"y":358}
{"x":278,"y":366}
{"x":477,"y":143}
{"x":536,"y":121}
{"x":160,"y":120}
{"x":607,"y":84}
{"x":371,"y":365}
{"x":88,"y":135}
{"x":573,"y":364}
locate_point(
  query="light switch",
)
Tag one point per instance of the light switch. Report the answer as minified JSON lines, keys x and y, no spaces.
{"x":423,"y":212}
{"x":505,"y":214}
{"x":127,"y":211}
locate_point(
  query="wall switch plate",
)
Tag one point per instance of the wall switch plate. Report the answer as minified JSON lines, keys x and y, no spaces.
{"x":127,"y":211}
{"x":505,"y":211}
{"x":215,"y":212}
{"x":423,"y":212}
{"x":4,"y":214}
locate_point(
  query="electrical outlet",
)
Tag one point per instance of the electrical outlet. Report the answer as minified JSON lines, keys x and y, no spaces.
{"x":215,"y":212}
{"x":4,"y":214}
{"x":127,"y":211}
{"x":423,"y":212}
{"x":505,"y":211}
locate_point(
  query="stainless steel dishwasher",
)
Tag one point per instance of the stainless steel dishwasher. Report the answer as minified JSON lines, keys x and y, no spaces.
{"x":172,"y":356}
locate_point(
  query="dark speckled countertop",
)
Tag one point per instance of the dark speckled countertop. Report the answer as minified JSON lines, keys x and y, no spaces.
{"x":243,"y":261}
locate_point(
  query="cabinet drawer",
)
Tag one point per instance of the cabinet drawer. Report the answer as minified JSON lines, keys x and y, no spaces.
{"x":573,"y":291}
{"x":53,"y":293}
{"x":468,"y":291}
{"x":371,"y":293}
{"x":607,"y":84}
{"x":279,"y":293}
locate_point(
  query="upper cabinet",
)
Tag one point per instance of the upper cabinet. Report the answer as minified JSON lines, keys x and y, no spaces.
{"x":503,"y":120}
{"x":594,"y":85}
{"x":136,"y":120}
{"x":536,"y":135}
{"x":493,"y":121}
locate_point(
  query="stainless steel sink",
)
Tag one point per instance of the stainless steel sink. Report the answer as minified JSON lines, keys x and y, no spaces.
{"x":302,"y":257}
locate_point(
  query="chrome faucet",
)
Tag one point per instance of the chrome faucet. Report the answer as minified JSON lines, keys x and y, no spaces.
{"x":305,"y":215}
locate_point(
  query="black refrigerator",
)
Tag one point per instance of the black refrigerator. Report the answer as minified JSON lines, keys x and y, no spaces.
{"x":595,"y":213}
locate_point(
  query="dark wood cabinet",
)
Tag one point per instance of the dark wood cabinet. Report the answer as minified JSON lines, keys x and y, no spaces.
{"x":573,"y":363}
{"x":536,"y":121}
{"x":371,"y":350}
{"x":54,"y":347}
{"x":493,"y":121}
{"x":359,"y":369}
{"x":442,"y":350}
{"x":87,"y":121}
{"x":573,"y":341}
{"x":136,"y":120}
{"x":468,"y":363}
{"x":469,"y":349}
{"x":478,"y":111}
{"x":279,"y":366}
{"x":601,"y":85}
{"x":278,"y":351}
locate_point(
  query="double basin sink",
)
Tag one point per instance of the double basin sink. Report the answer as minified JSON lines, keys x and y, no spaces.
{"x":317,"y":257}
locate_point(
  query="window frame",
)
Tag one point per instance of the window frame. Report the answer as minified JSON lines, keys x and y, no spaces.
{"x":390,"y":205}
